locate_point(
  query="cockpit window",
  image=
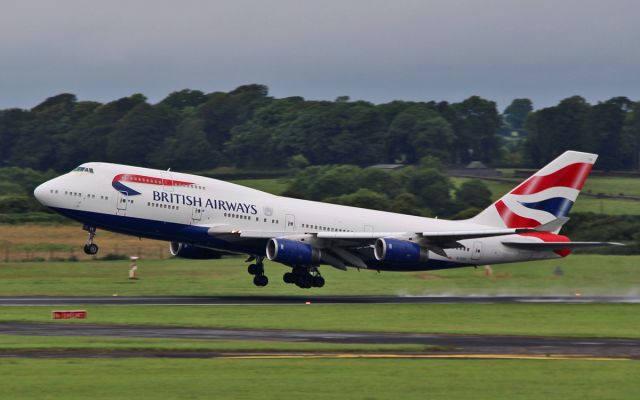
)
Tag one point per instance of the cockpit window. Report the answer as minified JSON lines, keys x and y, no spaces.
{"x":84,"y":169}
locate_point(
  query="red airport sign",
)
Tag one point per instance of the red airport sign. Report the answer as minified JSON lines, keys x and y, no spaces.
{"x":69,"y":314}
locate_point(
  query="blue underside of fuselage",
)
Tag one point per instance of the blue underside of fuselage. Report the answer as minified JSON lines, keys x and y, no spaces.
{"x":198,"y":235}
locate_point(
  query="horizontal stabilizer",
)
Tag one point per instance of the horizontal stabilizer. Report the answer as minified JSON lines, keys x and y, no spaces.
{"x":557,"y":245}
{"x":553,"y":226}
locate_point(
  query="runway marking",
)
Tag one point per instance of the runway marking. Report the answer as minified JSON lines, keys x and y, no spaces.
{"x":302,"y":300}
{"x":57,"y":353}
{"x":425,"y":356}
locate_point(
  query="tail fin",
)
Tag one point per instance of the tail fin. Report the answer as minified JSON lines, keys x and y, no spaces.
{"x":547,"y":195}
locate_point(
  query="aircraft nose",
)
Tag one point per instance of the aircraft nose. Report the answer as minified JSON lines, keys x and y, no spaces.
{"x":41,"y":192}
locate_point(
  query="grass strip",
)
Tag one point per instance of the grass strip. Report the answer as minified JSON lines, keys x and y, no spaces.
{"x":569,"y":320}
{"x":409,"y":379}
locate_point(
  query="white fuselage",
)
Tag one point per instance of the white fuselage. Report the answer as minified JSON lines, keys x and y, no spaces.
{"x":193,"y":209}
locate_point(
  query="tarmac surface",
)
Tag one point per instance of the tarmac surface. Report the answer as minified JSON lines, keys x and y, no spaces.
{"x":276,"y":300}
{"x":453,"y":344}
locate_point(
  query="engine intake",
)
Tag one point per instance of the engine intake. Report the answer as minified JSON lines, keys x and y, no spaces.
{"x":292,"y":252}
{"x":401,"y":251}
{"x":189,"y":251}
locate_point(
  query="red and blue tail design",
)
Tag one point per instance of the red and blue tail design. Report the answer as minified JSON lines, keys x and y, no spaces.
{"x":548,"y":194}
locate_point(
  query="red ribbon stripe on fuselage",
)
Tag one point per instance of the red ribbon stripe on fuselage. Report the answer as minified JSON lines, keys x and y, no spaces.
{"x":148,"y":180}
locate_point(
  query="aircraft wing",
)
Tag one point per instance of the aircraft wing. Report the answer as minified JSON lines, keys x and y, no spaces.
{"x":557,"y":245}
{"x":436,"y":241}
{"x":432,"y":235}
{"x":364,"y":237}
{"x":344,"y":248}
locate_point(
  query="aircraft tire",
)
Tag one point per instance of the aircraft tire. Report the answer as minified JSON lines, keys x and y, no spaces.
{"x":91,"y":249}
{"x":255,"y":269}
{"x":304,"y":281}
{"x":318,"y":281}
{"x":260,"y":280}
{"x":289,"y":277}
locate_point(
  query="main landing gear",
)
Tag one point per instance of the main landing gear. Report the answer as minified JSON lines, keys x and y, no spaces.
{"x":90,"y":247}
{"x":304,"y":278}
{"x":257,"y":270}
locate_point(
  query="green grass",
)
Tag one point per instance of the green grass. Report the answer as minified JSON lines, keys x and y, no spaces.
{"x":584,"y":203}
{"x":274,"y":186}
{"x":596,"y":184}
{"x":159,"y":379}
{"x":607,"y":206}
{"x":613,"y":185}
{"x":585,"y":274}
{"x":597,"y":320}
{"x":45,"y":247}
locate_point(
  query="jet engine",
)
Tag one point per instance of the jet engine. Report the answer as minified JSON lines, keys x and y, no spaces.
{"x":189,"y":251}
{"x":292,"y":252}
{"x":396,"y":250}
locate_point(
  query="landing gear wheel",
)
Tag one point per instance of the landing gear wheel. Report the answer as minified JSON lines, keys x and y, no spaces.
{"x":289,"y":277}
{"x":318,"y":281}
{"x":304,"y":281}
{"x":260,"y":280}
{"x":255,"y":269}
{"x":91,"y":249}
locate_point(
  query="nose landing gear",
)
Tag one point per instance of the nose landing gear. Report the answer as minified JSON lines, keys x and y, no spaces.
{"x":90,"y":247}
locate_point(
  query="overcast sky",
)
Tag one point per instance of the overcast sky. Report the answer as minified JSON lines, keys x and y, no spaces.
{"x":373,"y":50}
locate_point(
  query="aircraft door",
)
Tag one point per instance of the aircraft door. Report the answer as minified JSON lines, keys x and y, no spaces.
{"x":289,"y":222}
{"x":121,"y":203}
{"x":477,"y":251}
{"x":368,"y":228}
{"x":196,"y":214}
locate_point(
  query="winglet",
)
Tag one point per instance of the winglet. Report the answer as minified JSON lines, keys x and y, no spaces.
{"x":552,"y":226}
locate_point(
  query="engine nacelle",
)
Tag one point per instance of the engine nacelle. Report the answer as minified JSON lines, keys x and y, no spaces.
{"x":189,"y":251}
{"x":292,"y":252}
{"x":401,"y":251}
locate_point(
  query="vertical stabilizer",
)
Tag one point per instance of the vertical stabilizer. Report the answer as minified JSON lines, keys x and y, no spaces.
{"x":547,"y":195}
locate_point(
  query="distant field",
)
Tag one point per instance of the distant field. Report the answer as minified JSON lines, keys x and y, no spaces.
{"x":585,"y":203}
{"x":585,"y":274}
{"x":63,"y":242}
{"x":613,"y":185}
{"x":594,"y":184}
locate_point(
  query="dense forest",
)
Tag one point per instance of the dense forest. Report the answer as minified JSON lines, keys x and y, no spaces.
{"x":246,"y":128}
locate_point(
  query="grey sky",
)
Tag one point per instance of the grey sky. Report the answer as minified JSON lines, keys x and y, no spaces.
{"x":374,"y":50}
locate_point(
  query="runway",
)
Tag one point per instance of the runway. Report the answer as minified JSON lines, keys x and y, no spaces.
{"x":293,"y":300}
{"x":451,"y":344}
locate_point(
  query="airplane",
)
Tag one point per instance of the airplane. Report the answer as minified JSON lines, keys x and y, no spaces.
{"x":203,"y":218}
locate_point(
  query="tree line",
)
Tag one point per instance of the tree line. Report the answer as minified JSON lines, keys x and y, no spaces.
{"x":417,"y":190}
{"x":246,"y":128}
